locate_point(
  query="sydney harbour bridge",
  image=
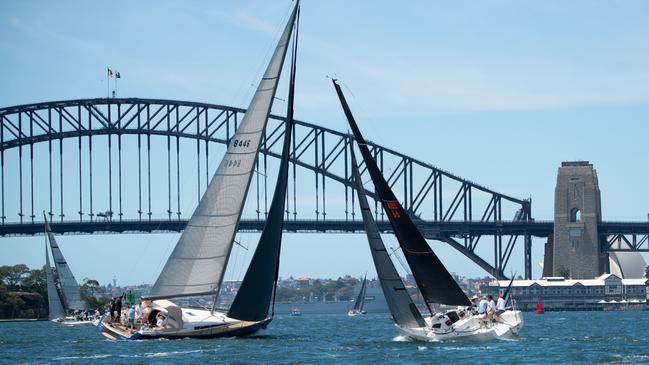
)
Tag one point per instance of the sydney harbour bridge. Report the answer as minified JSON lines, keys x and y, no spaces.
{"x":137,"y":165}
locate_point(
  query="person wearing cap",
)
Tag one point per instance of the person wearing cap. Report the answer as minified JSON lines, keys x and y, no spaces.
{"x":482,"y":305}
{"x":474,"y":304}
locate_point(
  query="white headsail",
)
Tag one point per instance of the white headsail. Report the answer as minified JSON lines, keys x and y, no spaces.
{"x":54,"y":301}
{"x":197,"y":263}
{"x":69,"y":285}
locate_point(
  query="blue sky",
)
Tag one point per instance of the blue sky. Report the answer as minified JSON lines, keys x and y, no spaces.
{"x":499,"y":92}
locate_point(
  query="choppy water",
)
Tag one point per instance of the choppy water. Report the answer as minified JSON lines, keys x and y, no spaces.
{"x":576,"y":337}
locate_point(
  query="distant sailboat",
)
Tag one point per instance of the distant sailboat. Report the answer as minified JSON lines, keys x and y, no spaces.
{"x":198,"y":262}
{"x":539,"y":307}
{"x":61,"y":306}
{"x":435,"y":283}
{"x":359,"y":303}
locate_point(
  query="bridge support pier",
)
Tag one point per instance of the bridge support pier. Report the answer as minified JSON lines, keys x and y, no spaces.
{"x":528,"y":256}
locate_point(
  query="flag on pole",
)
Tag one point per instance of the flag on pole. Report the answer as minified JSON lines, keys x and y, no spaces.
{"x":110,"y":73}
{"x":117,"y":76}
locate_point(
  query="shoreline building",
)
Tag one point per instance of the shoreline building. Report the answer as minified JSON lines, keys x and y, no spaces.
{"x":606,"y":292}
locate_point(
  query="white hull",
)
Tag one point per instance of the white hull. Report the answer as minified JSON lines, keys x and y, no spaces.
{"x":182,"y":323}
{"x":71,"y":322}
{"x":474,"y":328}
{"x":354,"y":313}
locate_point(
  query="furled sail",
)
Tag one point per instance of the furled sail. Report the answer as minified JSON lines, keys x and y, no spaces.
{"x":257,"y":289}
{"x":69,"y":285}
{"x":54,"y":301}
{"x":435,"y":282}
{"x":404,"y":312}
{"x":197,"y":263}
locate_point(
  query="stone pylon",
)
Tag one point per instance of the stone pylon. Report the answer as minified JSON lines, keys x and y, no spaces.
{"x":577,"y":213}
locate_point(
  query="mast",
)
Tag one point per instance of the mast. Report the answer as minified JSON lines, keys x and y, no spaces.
{"x":433,"y":280}
{"x":70,"y":289}
{"x":257,"y":290}
{"x":198,"y":262}
{"x":403,"y":309}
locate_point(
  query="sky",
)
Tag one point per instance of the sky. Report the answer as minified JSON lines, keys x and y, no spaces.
{"x":498,"y":92}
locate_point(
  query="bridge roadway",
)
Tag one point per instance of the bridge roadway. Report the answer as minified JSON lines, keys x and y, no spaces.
{"x":431,"y":229}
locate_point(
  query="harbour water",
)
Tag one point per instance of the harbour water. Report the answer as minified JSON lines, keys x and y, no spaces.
{"x":556,"y":337}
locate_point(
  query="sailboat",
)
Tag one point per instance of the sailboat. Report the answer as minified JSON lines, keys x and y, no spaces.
{"x":539,"y":307}
{"x":359,"y":303}
{"x":435,"y":283}
{"x":63,"y":304}
{"x":198,"y":262}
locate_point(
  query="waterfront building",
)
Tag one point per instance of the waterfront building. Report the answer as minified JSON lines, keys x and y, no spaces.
{"x":606,"y":292}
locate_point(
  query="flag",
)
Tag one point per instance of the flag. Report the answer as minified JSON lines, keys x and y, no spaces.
{"x":117,"y":76}
{"x":110,"y":73}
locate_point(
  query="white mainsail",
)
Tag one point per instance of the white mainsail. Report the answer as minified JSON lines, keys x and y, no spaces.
{"x":54,"y":301}
{"x":69,"y":285}
{"x":197,"y":263}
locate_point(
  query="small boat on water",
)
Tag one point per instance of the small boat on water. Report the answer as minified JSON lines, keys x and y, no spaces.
{"x":63,"y":292}
{"x":539,"y":307}
{"x":359,"y":303}
{"x":198,"y":262}
{"x":295,"y":312}
{"x":434,"y":282}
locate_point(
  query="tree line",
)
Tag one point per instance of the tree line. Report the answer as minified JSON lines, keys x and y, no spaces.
{"x":23,"y":292}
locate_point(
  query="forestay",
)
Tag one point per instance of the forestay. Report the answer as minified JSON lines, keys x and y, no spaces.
{"x":197,"y":263}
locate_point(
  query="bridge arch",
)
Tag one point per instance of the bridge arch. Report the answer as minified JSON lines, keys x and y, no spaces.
{"x":427,"y":192}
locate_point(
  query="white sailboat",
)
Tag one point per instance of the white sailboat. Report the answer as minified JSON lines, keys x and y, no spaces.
{"x":199,"y":260}
{"x":359,"y":303}
{"x":62,"y":304}
{"x":434,"y":282}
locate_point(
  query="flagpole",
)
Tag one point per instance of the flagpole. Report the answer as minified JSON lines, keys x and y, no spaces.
{"x":116,"y":73}
{"x":107,"y":83}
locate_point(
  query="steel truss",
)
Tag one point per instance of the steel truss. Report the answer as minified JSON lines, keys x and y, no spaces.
{"x":433,"y":196}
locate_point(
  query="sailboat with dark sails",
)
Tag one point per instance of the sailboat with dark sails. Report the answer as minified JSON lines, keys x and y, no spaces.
{"x":435,"y":283}
{"x":359,"y":303}
{"x":63,"y":291}
{"x":198,"y":262}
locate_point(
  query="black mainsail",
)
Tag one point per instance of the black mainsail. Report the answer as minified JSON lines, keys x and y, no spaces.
{"x":257,"y":289}
{"x":435,"y":282}
{"x":70,"y":289}
{"x":53,"y":299}
{"x":506,"y":295}
{"x":403,"y":309}
{"x":360,"y":299}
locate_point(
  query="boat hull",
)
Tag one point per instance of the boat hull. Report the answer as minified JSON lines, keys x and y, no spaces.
{"x":474,"y":328}
{"x":235,"y":329}
{"x":71,"y":323}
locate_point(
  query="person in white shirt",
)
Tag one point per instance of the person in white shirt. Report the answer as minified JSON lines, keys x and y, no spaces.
{"x":491,"y":307}
{"x":500,"y":305}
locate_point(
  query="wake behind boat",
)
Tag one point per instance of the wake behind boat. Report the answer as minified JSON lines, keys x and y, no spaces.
{"x":198,"y":262}
{"x":434,"y":282}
